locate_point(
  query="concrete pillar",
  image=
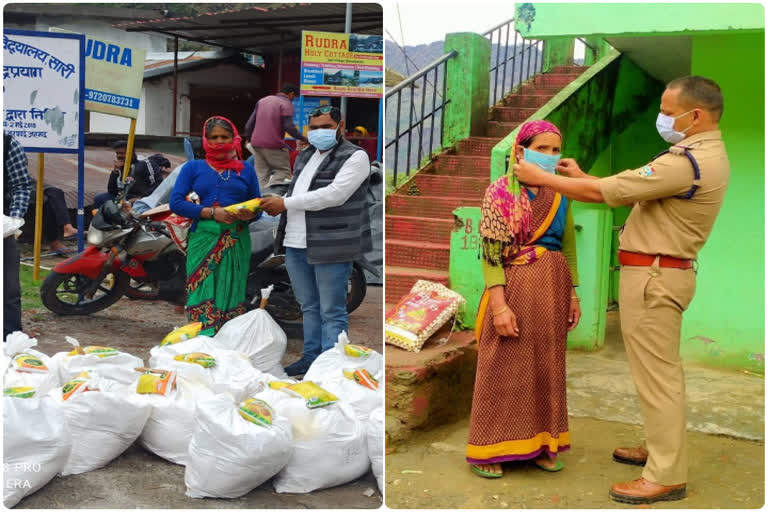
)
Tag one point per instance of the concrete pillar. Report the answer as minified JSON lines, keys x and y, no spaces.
{"x":467,"y":81}
{"x":558,"y":51}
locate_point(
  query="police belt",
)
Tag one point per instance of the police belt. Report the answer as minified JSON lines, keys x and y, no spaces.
{"x":636,"y":259}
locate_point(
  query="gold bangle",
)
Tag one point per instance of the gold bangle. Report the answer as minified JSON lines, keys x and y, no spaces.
{"x":500,"y":311}
{"x":575,"y":297}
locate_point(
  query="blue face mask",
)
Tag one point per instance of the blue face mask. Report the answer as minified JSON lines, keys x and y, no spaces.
{"x":546,"y":162}
{"x":322,"y":138}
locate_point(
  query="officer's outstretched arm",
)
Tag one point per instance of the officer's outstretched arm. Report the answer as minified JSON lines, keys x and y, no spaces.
{"x":586,"y":190}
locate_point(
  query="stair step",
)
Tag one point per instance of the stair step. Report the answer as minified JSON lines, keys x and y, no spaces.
{"x":460,"y":165}
{"x":403,"y":253}
{"x":527,"y":100}
{"x":512,"y":113}
{"x":559,"y":70}
{"x":480,"y":146}
{"x":427,"y":206}
{"x":400,"y":280}
{"x":424,"y":229}
{"x":538,"y":89}
{"x":501,"y":129}
{"x":451,"y":186}
{"x":555,"y":80}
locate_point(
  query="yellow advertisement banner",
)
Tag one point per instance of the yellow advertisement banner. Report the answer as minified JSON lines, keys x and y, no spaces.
{"x":334,"y":64}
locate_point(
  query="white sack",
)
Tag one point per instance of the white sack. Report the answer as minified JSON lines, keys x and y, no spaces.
{"x":36,"y":444}
{"x":18,"y":344}
{"x":335,"y":359}
{"x":103,"y":424}
{"x":375,"y":429}
{"x":119,"y":367}
{"x":233,"y":372}
{"x":229,"y":456}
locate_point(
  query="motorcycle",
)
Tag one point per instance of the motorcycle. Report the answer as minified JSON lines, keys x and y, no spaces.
{"x":136,"y":256}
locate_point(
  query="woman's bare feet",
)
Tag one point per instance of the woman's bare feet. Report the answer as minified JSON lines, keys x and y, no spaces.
{"x":546,"y":461}
{"x":491,"y":468}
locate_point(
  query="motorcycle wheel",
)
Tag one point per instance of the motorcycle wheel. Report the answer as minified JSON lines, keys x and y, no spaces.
{"x":63,"y":293}
{"x":357,"y":288}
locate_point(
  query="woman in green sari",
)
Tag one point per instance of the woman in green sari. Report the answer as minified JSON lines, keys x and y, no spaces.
{"x":218,"y":246}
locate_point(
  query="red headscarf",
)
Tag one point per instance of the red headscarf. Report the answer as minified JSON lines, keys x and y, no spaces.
{"x":533,"y":128}
{"x":223,"y":156}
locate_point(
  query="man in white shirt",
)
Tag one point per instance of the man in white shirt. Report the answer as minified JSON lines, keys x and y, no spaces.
{"x":325,"y":228}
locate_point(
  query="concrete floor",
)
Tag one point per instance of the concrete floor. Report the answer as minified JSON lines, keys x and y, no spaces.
{"x":726,"y":446}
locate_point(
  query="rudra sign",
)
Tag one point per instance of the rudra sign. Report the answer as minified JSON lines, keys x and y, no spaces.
{"x":334,"y":64}
{"x":114,"y":77}
{"x":42,"y":83}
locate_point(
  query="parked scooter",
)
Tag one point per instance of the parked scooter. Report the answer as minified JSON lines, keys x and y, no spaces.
{"x":136,"y":253}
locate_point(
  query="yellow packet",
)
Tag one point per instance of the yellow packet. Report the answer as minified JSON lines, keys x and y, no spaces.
{"x":96,"y":350}
{"x":156,"y":382}
{"x":312,"y":393}
{"x":278,"y":384}
{"x":19,"y":392}
{"x":257,"y":411}
{"x":204,"y":360}
{"x":357,"y":351}
{"x":362,"y":377}
{"x":183,"y":333}
{"x":76,"y":385}
{"x":253,"y":205}
{"x":29,"y":364}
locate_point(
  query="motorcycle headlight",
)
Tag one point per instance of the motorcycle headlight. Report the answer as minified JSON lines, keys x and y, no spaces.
{"x":95,"y":237}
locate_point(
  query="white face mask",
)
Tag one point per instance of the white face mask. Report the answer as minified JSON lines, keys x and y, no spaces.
{"x":665,"y":125}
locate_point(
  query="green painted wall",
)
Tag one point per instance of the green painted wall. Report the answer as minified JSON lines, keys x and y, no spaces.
{"x":725,"y":323}
{"x":543,"y":20}
{"x":467,"y":86}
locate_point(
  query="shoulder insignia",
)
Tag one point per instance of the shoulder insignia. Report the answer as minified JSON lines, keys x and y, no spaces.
{"x":646,"y":171}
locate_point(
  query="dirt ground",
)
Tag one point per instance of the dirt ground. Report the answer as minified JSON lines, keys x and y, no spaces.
{"x":139,"y":479}
{"x":430,"y":472}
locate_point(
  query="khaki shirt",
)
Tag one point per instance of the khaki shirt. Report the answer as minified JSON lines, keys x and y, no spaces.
{"x":659,"y":222}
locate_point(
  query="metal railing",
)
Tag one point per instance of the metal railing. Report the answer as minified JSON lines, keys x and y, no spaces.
{"x":422,"y":123}
{"x":511,"y":63}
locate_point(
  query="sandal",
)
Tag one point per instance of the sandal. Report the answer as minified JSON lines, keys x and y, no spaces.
{"x":485,"y":474}
{"x":557,"y":467}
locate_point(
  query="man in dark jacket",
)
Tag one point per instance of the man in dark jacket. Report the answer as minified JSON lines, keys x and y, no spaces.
{"x":325,"y":228}
{"x":146,"y":178}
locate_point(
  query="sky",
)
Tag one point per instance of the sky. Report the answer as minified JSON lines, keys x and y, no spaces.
{"x":424,"y":22}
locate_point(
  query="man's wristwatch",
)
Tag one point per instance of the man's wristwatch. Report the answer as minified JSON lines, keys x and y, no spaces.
{"x":213,"y":212}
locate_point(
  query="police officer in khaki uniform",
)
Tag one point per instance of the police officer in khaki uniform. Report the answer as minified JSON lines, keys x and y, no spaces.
{"x":676,"y":199}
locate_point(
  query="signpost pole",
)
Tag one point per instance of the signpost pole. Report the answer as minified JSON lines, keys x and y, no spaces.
{"x":81,"y":155}
{"x":129,"y":149}
{"x":38,"y":215}
{"x":301,"y":113}
{"x":347,"y":30}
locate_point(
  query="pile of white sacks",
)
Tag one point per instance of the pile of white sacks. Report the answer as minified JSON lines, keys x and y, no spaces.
{"x":222,"y":407}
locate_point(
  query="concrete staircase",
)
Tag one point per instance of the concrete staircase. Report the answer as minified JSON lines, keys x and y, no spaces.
{"x":419,"y":216}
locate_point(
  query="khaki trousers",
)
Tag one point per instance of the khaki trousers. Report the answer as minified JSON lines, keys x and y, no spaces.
{"x":272,"y":166}
{"x":651,"y":302}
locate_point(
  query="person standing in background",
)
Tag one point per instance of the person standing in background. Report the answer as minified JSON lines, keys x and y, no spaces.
{"x":17,"y":189}
{"x":271,"y":119}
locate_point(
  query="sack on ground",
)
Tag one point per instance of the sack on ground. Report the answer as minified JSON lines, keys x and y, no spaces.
{"x":171,"y":422}
{"x":222,"y":371}
{"x":361,"y":399}
{"x":36,"y":445}
{"x":108,"y":362}
{"x":375,"y":428}
{"x":344,"y":355}
{"x":235,"y":447}
{"x":419,"y":315}
{"x":255,"y":334}
{"x":27,"y":367}
{"x":329,"y":445}
{"x":103,"y":422}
